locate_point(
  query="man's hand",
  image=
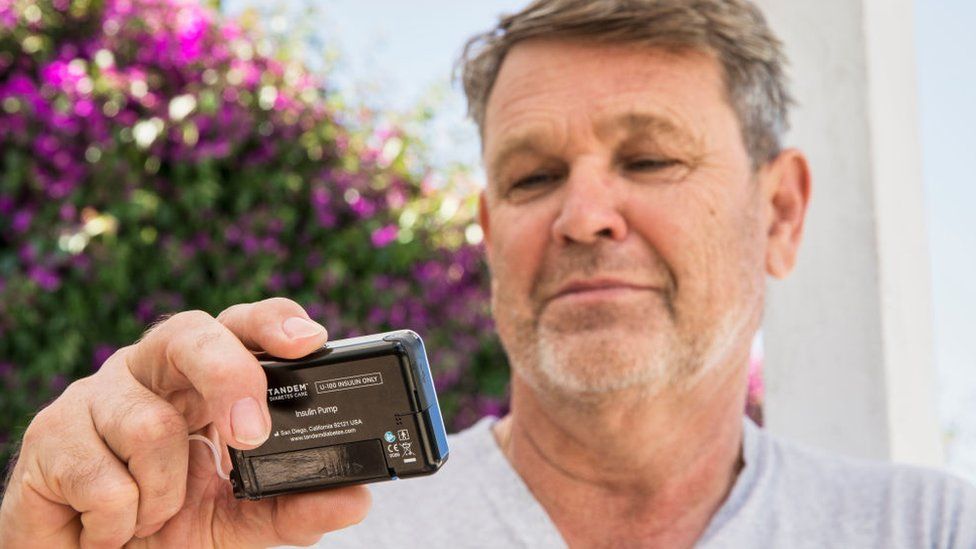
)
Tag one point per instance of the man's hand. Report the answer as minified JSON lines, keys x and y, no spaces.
{"x":109,"y":463}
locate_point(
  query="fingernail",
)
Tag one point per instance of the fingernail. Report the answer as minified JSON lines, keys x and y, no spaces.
{"x":247,"y":422}
{"x":297,"y":327}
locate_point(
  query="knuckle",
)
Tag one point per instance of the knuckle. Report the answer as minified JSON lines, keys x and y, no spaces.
{"x":115,"y":361}
{"x":36,"y":431}
{"x":45,"y":416}
{"x":153,"y":423}
{"x":116,"y":493}
{"x":75,"y":392}
{"x":205,"y":339}
{"x":175,"y":329}
{"x":124,"y":352}
{"x":193,"y":317}
{"x":188,"y":343}
{"x":51,"y":420}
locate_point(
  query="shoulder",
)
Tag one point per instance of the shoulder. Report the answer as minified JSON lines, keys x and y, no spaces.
{"x":825,"y":473}
{"x":889,"y":504}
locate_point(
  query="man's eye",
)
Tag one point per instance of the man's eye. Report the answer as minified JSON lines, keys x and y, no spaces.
{"x":649,"y":164}
{"x":533,"y":181}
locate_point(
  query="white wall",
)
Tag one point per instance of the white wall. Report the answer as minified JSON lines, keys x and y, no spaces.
{"x":849,"y":362}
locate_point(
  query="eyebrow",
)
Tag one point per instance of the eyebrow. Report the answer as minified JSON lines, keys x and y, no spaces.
{"x":523,"y":143}
{"x":633,"y":123}
{"x":642,"y":123}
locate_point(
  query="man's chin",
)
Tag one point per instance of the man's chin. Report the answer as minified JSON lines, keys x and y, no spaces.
{"x":601,"y":361}
{"x":630,"y":318}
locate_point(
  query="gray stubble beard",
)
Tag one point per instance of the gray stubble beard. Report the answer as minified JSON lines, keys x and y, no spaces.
{"x":570,"y":359}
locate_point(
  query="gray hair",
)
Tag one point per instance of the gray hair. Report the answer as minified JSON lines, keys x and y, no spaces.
{"x":734,"y":31}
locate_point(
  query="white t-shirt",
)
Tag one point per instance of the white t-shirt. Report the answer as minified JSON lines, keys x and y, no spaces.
{"x":785,"y":496}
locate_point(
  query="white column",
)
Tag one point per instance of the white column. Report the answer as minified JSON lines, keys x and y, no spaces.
{"x":849,"y":360}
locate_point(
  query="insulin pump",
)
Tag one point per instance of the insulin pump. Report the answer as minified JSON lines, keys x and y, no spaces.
{"x":358,"y":410}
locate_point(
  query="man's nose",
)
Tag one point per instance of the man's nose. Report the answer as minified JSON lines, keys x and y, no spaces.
{"x":591,"y":208}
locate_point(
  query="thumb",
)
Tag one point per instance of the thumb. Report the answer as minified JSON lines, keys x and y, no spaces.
{"x":296,"y":519}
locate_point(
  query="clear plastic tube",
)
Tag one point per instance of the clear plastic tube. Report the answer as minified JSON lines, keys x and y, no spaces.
{"x":214,"y":449}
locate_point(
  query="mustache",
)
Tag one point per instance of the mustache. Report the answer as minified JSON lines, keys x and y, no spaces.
{"x":601,"y":260}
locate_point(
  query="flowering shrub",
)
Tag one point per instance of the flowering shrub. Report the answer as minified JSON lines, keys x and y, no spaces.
{"x":157,"y":158}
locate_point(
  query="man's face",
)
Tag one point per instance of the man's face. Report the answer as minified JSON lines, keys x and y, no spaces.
{"x":622,"y":217}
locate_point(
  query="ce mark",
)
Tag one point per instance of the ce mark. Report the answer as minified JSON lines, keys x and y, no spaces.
{"x":393,"y":448}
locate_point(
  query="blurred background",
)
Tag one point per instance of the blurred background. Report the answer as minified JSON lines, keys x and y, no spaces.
{"x":159,"y":155}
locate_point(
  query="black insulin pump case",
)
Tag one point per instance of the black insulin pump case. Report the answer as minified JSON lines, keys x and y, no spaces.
{"x":358,"y":410}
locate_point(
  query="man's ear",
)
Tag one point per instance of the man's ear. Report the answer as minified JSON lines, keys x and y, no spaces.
{"x":485,"y":222}
{"x":786,"y":193}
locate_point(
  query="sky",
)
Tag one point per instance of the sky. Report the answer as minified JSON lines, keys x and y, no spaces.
{"x":394,"y":53}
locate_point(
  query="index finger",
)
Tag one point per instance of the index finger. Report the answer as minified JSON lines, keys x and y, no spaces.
{"x":201,"y":367}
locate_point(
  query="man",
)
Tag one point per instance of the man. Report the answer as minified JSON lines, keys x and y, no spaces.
{"x":637,"y":195}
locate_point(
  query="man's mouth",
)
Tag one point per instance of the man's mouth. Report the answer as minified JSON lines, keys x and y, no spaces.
{"x":600,"y":288}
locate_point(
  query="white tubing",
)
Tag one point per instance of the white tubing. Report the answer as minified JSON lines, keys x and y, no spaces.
{"x":214,"y":451}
